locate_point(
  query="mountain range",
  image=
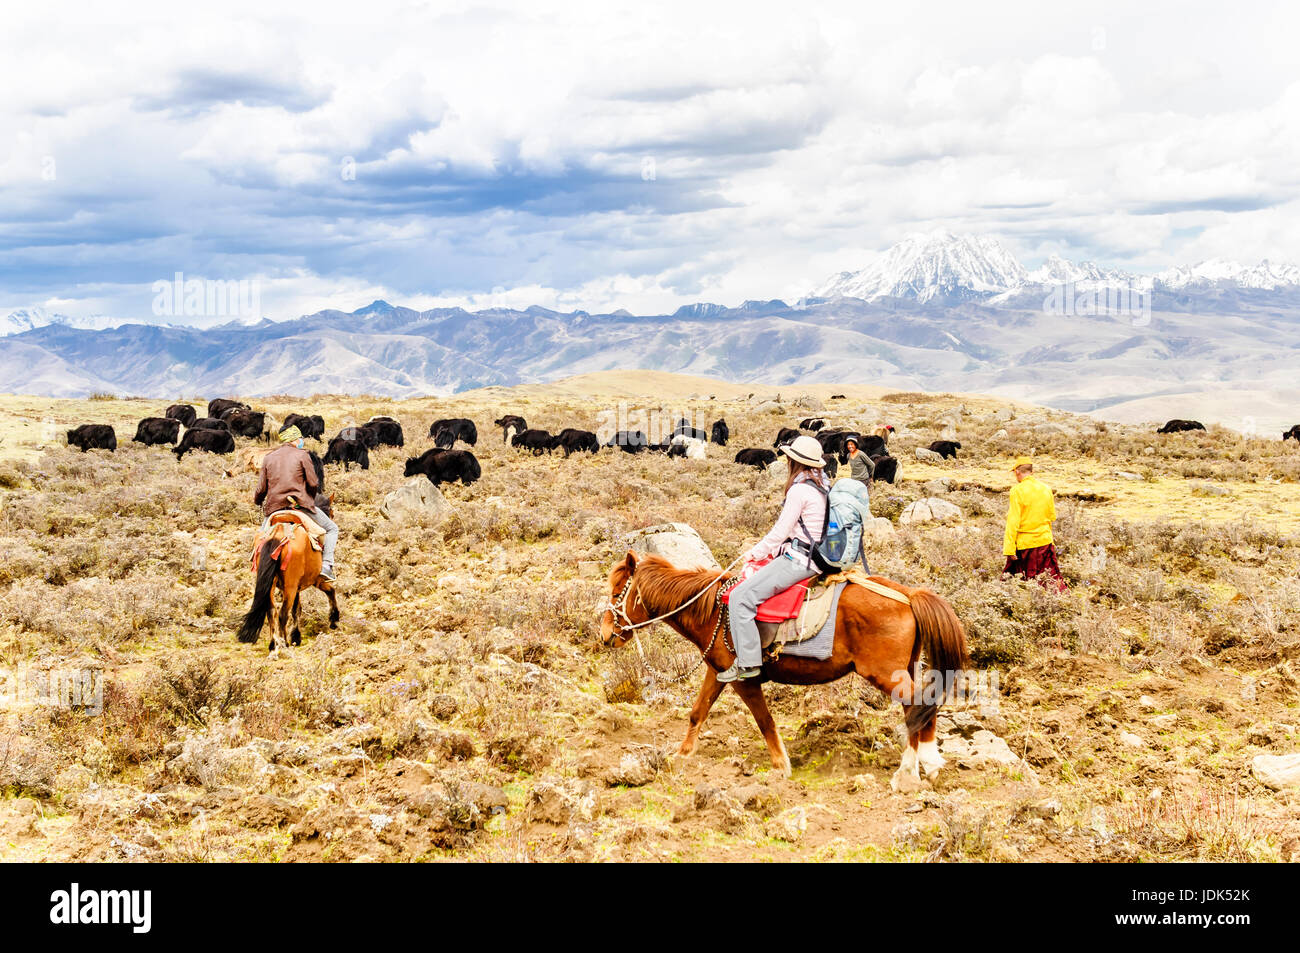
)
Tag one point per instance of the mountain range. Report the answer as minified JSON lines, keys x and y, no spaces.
{"x":935,"y":312}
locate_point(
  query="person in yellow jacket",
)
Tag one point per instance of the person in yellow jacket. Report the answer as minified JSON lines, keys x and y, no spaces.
{"x":1028,"y":543}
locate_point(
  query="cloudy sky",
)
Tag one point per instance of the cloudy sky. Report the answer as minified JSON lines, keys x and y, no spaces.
{"x":625,"y":155}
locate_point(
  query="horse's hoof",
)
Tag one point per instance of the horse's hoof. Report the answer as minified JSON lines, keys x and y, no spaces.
{"x":932,"y":767}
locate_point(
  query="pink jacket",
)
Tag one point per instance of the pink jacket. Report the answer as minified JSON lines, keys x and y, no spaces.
{"x":802,"y":500}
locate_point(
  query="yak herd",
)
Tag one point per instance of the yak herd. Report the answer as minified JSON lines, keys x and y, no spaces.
{"x":184,"y":430}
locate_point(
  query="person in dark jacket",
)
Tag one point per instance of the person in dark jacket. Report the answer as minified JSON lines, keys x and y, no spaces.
{"x":288,"y":481}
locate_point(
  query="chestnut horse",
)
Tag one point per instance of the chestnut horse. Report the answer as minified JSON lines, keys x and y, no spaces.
{"x":879,"y":638}
{"x":296,"y":567}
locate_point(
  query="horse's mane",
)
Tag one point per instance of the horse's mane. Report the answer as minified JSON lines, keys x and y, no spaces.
{"x":664,"y":587}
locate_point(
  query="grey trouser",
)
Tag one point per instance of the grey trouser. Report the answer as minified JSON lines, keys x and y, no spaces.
{"x":781,"y":573}
{"x":331,"y":537}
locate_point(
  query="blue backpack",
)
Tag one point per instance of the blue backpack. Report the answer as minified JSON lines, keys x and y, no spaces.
{"x":848,"y":507}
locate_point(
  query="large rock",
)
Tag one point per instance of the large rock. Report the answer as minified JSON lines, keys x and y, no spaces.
{"x":769,"y":407}
{"x":928,"y":455}
{"x":929,"y":509}
{"x":415,"y":499}
{"x":676,"y":542}
{"x":982,"y":749}
{"x":1277,"y":771}
{"x":808,"y":402}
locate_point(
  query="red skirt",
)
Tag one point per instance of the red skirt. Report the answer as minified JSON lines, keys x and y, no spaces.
{"x":1039,"y":561}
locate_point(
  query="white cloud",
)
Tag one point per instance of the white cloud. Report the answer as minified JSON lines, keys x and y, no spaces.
{"x":626,"y":154}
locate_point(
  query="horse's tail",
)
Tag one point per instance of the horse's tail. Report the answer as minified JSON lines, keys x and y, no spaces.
{"x":943,"y":639}
{"x":257,"y":613}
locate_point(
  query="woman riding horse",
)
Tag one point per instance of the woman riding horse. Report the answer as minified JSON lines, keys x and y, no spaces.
{"x":789,"y":545}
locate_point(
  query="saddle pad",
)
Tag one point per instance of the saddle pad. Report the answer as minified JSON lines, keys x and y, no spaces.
{"x":285,"y":516}
{"x":808,"y":622}
{"x":784,"y":605}
{"x":818,"y":643}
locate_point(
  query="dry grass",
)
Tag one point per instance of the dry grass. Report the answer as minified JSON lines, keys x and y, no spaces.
{"x":468,"y":644}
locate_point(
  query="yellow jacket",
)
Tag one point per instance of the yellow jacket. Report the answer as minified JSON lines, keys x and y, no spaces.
{"x":1029,"y":517}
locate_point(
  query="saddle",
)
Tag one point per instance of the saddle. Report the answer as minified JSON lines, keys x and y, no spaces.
{"x":797,"y":614}
{"x":314,"y":532}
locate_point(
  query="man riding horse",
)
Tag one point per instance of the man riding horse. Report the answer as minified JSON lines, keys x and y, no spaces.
{"x":288,"y":481}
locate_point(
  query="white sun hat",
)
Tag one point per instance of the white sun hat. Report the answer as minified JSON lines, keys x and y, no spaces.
{"x":806,"y":450}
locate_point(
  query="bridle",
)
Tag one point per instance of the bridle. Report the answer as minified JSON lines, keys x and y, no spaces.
{"x":618,"y":608}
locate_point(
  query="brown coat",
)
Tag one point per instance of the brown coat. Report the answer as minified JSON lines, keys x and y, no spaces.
{"x":286,"y":471}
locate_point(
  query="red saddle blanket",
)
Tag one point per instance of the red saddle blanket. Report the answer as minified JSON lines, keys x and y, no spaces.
{"x":786,"y":604}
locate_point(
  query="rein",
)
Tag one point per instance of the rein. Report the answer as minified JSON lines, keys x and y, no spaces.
{"x":618,"y":608}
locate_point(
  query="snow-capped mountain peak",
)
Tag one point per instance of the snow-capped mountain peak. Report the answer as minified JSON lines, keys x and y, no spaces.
{"x":950,"y":268}
{"x":1218,"y":272}
{"x":1058,"y":270}
{"x":934,"y":265}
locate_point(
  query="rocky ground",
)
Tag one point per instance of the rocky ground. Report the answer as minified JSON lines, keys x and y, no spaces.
{"x":464,"y":710}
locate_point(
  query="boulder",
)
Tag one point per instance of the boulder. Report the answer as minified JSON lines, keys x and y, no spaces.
{"x":928,"y":455}
{"x":808,"y":402}
{"x":937,"y":487}
{"x":982,"y":749}
{"x":1277,"y":771}
{"x":769,"y":407}
{"x":676,"y":542}
{"x":1002,"y":415}
{"x":999,"y":434}
{"x":928,"y":509}
{"x":416,"y":499}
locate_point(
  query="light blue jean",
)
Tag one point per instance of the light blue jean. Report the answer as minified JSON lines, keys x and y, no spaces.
{"x":331,"y":537}
{"x":780,"y":574}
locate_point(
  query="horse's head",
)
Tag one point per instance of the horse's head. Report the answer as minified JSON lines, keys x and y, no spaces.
{"x":624,"y":608}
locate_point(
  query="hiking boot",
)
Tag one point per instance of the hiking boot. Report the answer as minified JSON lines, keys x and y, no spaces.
{"x":327,"y":573}
{"x":738,"y":671}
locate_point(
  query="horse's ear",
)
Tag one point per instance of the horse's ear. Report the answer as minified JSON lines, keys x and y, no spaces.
{"x":630,"y":560}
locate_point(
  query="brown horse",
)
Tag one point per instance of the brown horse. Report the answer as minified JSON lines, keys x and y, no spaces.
{"x":879,"y":638}
{"x":286,"y":562}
